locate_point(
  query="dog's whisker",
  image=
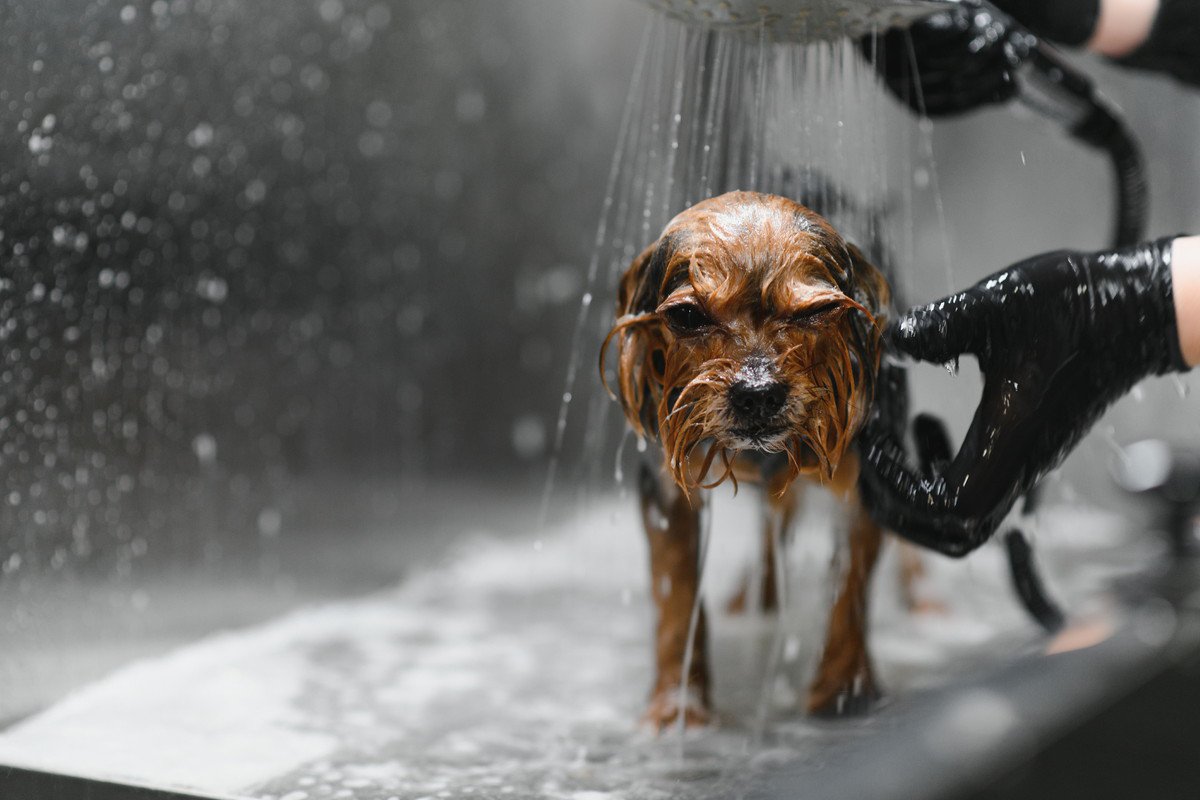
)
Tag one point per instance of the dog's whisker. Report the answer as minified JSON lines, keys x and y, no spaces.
{"x":678,"y":410}
{"x":707,"y":465}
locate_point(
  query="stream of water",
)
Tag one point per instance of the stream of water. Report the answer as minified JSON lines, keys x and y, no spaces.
{"x":713,"y":111}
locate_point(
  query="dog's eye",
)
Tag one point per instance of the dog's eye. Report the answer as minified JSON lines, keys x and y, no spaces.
{"x":686,"y":318}
{"x":816,"y":314}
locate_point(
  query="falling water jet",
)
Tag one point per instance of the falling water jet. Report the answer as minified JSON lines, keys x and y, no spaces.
{"x":586,"y":300}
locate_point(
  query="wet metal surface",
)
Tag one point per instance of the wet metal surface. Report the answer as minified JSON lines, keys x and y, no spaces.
{"x":520,"y":669}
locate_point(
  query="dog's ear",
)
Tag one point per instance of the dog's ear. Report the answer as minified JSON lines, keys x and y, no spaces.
{"x":870,"y":286}
{"x":642,"y":284}
{"x":863,"y":336}
{"x":641,"y":348}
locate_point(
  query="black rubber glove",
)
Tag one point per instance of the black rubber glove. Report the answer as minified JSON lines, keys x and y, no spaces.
{"x":1059,"y":337}
{"x":953,"y":61}
{"x":1069,"y":22}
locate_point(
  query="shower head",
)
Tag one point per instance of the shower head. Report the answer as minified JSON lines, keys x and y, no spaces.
{"x":801,"y":21}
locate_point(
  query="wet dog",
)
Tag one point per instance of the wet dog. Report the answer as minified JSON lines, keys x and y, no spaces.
{"x":748,"y":343}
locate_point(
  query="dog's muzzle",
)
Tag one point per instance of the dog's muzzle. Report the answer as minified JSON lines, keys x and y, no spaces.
{"x":756,"y":398}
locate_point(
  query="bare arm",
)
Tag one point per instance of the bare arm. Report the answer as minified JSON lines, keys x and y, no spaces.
{"x":1122,"y":26}
{"x":1185,"y":276}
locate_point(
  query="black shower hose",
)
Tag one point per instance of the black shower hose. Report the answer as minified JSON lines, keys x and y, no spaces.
{"x":1103,"y":130}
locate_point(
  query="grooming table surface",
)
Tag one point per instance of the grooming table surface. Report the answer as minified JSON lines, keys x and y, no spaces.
{"x":519,"y":669}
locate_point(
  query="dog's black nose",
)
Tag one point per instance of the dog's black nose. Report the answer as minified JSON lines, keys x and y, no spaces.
{"x":755,"y":403}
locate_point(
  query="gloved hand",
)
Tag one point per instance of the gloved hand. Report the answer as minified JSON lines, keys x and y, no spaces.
{"x":1059,"y":337}
{"x":959,"y":60}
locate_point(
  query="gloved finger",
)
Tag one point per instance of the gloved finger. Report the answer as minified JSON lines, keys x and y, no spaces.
{"x":933,"y":445}
{"x":886,"y":458}
{"x":900,"y":500}
{"x":993,"y":466}
{"x":943,"y":330}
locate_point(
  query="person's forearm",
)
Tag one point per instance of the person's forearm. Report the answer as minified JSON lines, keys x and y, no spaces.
{"x":1185,"y":279}
{"x":1122,"y":26}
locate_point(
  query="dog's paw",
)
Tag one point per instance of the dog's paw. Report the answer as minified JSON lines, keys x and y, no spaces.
{"x":833,"y":697}
{"x":666,"y":708}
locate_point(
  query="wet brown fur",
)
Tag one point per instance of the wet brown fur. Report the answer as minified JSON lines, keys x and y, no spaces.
{"x":758,"y":266}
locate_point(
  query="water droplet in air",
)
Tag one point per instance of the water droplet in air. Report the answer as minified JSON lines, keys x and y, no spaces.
{"x":205,"y":448}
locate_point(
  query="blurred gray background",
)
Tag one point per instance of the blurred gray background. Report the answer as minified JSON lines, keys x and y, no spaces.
{"x":287,"y":287}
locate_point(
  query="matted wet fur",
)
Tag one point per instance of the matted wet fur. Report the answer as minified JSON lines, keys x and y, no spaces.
{"x":748,"y":341}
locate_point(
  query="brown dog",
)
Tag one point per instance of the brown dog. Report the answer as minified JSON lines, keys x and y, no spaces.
{"x":749,"y":346}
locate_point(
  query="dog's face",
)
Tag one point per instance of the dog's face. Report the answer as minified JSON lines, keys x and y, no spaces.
{"x":752,"y":325}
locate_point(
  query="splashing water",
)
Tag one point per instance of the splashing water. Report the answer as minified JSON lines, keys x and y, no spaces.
{"x":520,"y":670}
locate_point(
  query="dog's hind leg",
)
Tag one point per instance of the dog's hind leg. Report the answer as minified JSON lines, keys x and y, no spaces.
{"x":845,"y":681}
{"x":672,"y":522}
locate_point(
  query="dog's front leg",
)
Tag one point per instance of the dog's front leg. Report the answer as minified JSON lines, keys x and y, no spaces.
{"x":672,"y":522}
{"x":845,"y":681}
